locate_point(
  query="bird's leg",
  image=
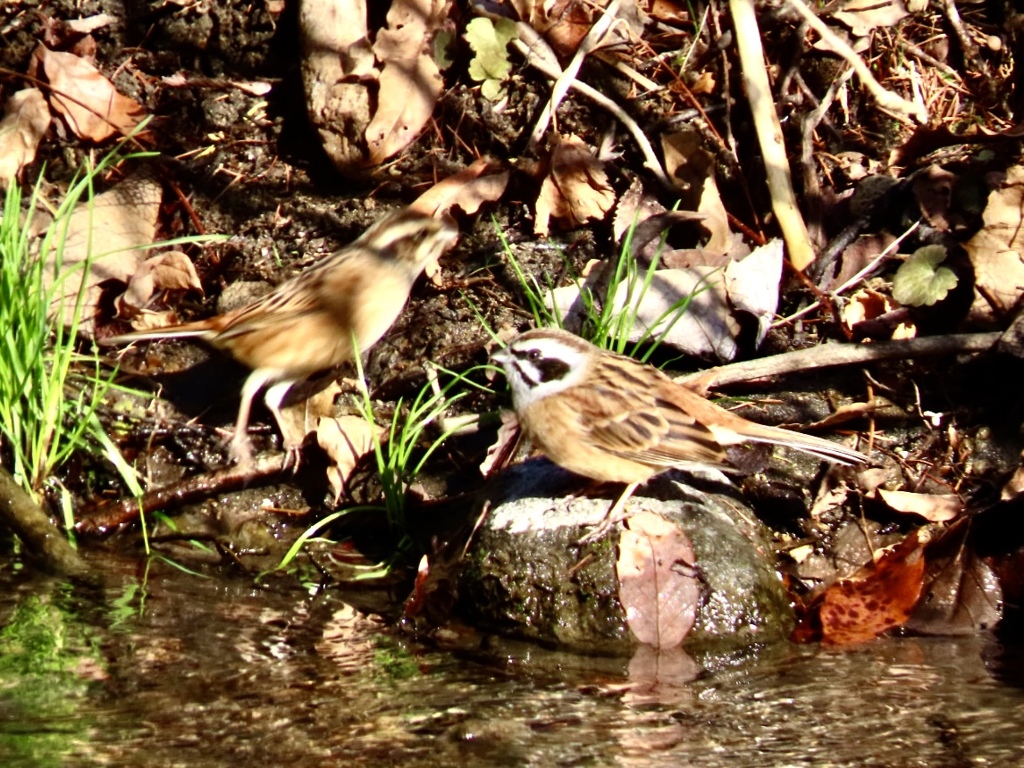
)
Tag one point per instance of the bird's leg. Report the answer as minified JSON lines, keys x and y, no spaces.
{"x":612,"y":517}
{"x":240,"y":447}
{"x":273,"y":398}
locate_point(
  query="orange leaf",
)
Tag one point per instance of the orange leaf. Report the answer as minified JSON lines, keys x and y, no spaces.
{"x":881,"y":596}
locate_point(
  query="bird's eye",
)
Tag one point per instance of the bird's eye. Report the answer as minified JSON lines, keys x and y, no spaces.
{"x":533,"y":355}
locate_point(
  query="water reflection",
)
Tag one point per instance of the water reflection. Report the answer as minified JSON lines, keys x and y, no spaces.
{"x":163,"y":668}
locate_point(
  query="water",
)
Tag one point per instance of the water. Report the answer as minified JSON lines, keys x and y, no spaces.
{"x":162,"y":668}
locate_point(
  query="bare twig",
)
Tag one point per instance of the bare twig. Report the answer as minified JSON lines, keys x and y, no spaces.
{"x":830,"y":355}
{"x":108,"y":517}
{"x":566,"y":79}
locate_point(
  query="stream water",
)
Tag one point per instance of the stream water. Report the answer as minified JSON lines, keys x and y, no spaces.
{"x":164,"y":668}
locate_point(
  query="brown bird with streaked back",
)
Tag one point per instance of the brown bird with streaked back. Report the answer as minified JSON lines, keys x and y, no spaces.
{"x":613,"y":419}
{"x":322,"y":316}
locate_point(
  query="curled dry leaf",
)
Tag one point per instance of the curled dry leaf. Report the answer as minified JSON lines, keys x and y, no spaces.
{"x":691,"y":168}
{"x":369,"y":100}
{"x":26,"y":119}
{"x":868,"y":304}
{"x":752,"y":284}
{"x":410,"y":80}
{"x":482,"y":182}
{"x":934,"y":507}
{"x":996,"y":250}
{"x":167,"y":271}
{"x":659,"y":585}
{"x":576,"y":189}
{"x":962,"y":594}
{"x":346,"y":440}
{"x":87,"y":100}
{"x":862,"y":16}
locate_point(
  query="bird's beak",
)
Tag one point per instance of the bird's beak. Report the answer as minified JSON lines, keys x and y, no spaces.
{"x":501,"y":356}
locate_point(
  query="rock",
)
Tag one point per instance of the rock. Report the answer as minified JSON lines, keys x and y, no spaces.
{"x":526,"y":575}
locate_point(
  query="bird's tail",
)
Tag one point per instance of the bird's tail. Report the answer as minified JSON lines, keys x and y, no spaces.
{"x":817,"y":446}
{"x":182,"y":331}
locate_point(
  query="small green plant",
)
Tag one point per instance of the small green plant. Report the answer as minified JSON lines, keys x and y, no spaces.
{"x":922,"y":280}
{"x":401,"y":456}
{"x":49,"y":391}
{"x":490,"y":65}
{"x":609,"y":320}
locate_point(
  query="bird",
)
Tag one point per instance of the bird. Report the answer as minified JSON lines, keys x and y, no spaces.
{"x":324,"y":316}
{"x":611,"y":418}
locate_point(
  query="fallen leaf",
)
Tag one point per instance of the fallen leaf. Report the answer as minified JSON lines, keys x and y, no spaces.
{"x":862,"y":16}
{"x":90,"y":23}
{"x":346,"y":440}
{"x":26,"y":119}
{"x":752,"y":284}
{"x":997,"y":250}
{"x":691,"y":167}
{"x":962,"y":594}
{"x":881,"y":596}
{"x":167,"y":271}
{"x":338,"y":70}
{"x":659,"y":585}
{"x":113,"y":230}
{"x":934,"y":507}
{"x":576,"y":190}
{"x":704,"y":326}
{"x":502,"y":450}
{"x":867,"y":304}
{"x":89,"y":102}
{"x":410,"y":81}
{"x":479,"y":183}
{"x":1013,"y":487}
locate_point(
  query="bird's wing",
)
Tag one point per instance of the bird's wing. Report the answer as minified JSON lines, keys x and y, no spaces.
{"x":640,"y":426}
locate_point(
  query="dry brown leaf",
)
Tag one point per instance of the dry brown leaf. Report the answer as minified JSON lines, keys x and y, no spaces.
{"x":962,"y":594}
{"x":934,"y":507}
{"x":88,"y":101}
{"x":997,"y":250}
{"x":668,"y":11}
{"x":878,"y":598}
{"x":26,"y":119}
{"x":500,"y":452}
{"x":752,"y":284}
{"x":862,"y":16}
{"x":410,"y":80}
{"x":706,"y":328}
{"x":337,"y":68}
{"x":90,"y":23}
{"x":576,"y":189}
{"x":482,"y":182}
{"x":564,"y":23}
{"x":346,"y":440}
{"x":167,"y":271}
{"x":867,"y":304}
{"x":691,"y":167}
{"x":659,"y":586}
{"x":113,"y":230}
{"x":1015,"y":485}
